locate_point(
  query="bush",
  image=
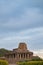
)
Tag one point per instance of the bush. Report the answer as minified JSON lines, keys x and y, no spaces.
{"x":31,"y":63}
{"x":36,"y":58}
{"x":3,"y":62}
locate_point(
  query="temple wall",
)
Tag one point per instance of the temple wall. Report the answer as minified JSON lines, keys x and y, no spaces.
{"x":18,"y":57}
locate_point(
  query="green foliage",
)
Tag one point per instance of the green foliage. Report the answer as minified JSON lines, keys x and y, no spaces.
{"x":3,"y":51}
{"x":31,"y":63}
{"x":36,"y":58}
{"x":3,"y":62}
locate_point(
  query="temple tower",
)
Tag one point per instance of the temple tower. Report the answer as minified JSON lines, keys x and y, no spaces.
{"x":22,"y":46}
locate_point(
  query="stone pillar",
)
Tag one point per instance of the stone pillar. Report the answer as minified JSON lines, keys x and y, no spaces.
{"x":25,"y":56}
{"x":19,"y":56}
{"x":10,"y":58}
{"x":29,"y":56}
{"x":13,"y":55}
{"x":13,"y":58}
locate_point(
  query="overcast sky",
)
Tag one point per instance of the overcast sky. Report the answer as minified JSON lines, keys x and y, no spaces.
{"x":21,"y":21}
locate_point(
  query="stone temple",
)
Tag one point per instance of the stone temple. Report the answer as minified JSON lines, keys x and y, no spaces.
{"x":19,"y":54}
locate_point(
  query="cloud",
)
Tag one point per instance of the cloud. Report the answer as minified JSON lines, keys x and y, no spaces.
{"x":30,"y":19}
{"x":38,"y":53}
{"x":33,"y":38}
{"x":21,"y":20}
{"x":16,"y":8}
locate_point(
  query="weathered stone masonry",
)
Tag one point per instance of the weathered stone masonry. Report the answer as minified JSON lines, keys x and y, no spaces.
{"x":19,"y":54}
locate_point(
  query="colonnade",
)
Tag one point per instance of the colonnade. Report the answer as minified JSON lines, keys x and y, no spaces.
{"x":20,"y":56}
{"x":24,"y":56}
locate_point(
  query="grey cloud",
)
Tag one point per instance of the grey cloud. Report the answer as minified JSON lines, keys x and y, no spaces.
{"x":19,"y":15}
{"x":34,"y":40}
{"x":30,"y":19}
{"x":32,"y":44}
{"x":12,"y":7}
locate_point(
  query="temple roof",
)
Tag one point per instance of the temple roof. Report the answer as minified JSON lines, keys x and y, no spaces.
{"x":19,"y":51}
{"x":22,"y":48}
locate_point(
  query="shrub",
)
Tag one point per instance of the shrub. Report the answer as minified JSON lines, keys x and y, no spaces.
{"x":31,"y":63}
{"x":3,"y":62}
{"x":37,"y":58}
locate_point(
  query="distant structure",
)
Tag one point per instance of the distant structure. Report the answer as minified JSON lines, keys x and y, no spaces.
{"x":19,"y":54}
